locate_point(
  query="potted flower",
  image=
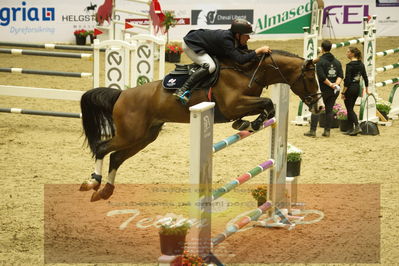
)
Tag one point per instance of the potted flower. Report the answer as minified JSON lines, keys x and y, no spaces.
{"x":190,"y":259}
{"x":80,"y":36}
{"x":334,"y":122}
{"x":344,"y":124}
{"x":172,"y":236}
{"x":293,"y":164}
{"x":92,"y":36}
{"x":260,"y":194}
{"x":173,"y":53}
{"x":383,"y":107}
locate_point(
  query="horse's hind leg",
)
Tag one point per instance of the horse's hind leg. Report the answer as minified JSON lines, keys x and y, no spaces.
{"x":95,"y":181}
{"x":118,"y":157}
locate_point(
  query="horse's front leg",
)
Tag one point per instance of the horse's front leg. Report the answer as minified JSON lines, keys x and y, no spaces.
{"x":251,"y":106}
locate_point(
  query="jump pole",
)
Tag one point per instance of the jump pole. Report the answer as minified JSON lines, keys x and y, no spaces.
{"x":44,"y":53}
{"x":41,"y":113}
{"x":201,"y":131}
{"x":48,"y":46}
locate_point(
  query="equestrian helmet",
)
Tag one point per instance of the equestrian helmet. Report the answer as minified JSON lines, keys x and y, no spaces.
{"x":241,"y":26}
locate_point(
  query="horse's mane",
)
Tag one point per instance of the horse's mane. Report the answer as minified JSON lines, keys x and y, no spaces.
{"x":285,"y":53}
{"x":255,"y":61}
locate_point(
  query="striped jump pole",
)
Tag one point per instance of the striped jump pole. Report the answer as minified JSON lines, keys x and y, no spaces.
{"x":41,"y":113}
{"x":252,"y":216}
{"x":44,"y":53}
{"x":387,"y":52}
{"x":46,"y":72}
{"x":242,"y":179}
{"x":48,"y":46}
{"x":387,"y":82}
{"x":201,"y":164}
{"x":218,"y":146}
{"x":387,"y":67}
{"x":345,"y":43}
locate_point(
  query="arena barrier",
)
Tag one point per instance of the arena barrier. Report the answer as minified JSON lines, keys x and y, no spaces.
{"x":202,"y":149}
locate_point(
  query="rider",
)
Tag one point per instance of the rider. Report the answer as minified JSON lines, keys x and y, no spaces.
{"x":200,"y":45}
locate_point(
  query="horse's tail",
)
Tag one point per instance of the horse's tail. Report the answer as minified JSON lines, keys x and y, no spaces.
{"x":97,"y":105}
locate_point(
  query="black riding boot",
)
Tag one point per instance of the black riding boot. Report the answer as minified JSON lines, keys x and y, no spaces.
{"x":183,"y":93}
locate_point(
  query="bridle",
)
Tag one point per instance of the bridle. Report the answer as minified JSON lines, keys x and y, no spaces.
{"x":309,"y":98}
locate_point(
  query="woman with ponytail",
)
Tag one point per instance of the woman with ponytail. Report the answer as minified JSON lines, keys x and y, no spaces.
{"x":354,"y":71}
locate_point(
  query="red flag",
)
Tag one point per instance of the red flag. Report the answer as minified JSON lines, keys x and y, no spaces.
{"x":128,"y":26}
{"x":97,"y":32}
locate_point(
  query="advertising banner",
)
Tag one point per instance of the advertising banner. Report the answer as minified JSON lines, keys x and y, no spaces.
{"x":52,"y":21}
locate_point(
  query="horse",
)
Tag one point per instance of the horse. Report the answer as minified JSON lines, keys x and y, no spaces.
{"x":125,"y":122}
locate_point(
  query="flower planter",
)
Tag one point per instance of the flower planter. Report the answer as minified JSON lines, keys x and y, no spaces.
{"x":322,"y":121}
{"x":384,"y":114}
{"x":345,"y":125}
{"x":80,"y":40}
{"x":261,"y":202}
{"x":172,"y":244}
{"x":293,"y":168}
{"x":172,"y":57}
{"x":92,"y":37}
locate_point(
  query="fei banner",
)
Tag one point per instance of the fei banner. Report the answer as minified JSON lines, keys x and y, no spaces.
{"x":42,"y":21}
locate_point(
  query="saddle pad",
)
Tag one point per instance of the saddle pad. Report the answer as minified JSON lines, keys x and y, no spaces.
{"x":176,"y":78}
{"x":173,"y":81}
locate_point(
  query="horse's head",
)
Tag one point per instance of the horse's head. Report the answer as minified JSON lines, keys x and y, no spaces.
{"x":307,"y":87}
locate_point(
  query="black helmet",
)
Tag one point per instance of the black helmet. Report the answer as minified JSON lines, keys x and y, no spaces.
{"x":241,"y":26}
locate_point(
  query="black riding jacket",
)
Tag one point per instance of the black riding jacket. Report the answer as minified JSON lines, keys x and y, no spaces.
{"x":219,"y":43}
{"x":355,"y":70}
{"x":328,"y":68}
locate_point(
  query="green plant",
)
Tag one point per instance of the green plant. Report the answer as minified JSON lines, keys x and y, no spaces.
{"x":169,"y":22}
{"x":172,"y":227}
{"x":260,"y":193}
{"x":293,"y":156}
{"x":383,"y":107}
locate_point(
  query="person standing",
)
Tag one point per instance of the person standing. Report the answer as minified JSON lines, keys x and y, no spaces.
{"x":330,"y":75}
{"x":354,"y":71}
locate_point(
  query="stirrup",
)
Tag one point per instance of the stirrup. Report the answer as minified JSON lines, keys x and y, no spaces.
{"x":185,"y":97}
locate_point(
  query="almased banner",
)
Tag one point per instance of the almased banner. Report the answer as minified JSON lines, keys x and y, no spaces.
{"x":40,"y":21}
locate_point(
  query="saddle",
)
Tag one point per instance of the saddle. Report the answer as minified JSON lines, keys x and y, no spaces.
{"x":181,"y":73}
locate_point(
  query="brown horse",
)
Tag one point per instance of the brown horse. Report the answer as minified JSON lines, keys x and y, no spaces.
{"x":125,"y":122}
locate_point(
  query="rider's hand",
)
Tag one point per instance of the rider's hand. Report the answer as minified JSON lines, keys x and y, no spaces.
{"x":263,"y":50}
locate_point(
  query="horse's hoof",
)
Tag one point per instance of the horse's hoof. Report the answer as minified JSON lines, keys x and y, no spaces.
{"x":104,"y":193}
{"x":89,"y":185}
{"x":241,"y":125}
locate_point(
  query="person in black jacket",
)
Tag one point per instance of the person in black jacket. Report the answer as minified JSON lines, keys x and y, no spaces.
{"x":200,"y":44}
{"x":354,"y":71}
{"x":330,"y":75}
